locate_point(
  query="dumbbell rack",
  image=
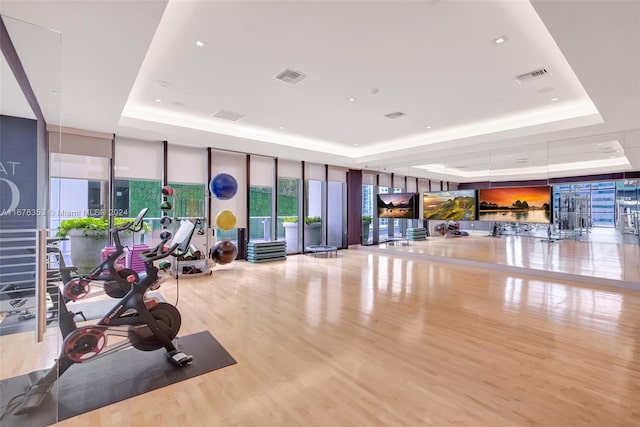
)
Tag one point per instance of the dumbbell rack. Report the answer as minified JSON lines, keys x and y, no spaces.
{"x":185,"y":267}
{"x":192,"y":267}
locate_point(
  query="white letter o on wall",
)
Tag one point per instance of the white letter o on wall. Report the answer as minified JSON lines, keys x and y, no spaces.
{"x":15,"y":194}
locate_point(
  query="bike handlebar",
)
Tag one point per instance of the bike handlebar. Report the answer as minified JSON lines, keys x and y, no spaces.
{"x":134,"y":225}
{"x":184,"y":233}
{"x":157,"y":252}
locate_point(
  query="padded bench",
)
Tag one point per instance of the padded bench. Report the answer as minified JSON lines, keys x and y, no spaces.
{"x":322,"y":249}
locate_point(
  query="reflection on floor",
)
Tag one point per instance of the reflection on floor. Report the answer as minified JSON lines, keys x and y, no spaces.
{"x":587,"y":261}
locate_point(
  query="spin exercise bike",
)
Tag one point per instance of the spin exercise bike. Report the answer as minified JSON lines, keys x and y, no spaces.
{"x":146,"y":325}
{"x":106,"y":275}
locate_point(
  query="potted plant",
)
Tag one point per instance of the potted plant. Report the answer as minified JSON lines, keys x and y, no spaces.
{"x":87,"y":237}
{"x":290,"y":224}
{"x":312,"y":231}
{"x":366,"y":223}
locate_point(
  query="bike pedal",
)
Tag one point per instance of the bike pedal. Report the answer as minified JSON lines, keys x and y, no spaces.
{"x":151,"y":302}
{"x":179,"y":358}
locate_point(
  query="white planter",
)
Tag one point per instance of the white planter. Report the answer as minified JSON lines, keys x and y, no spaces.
{"x":365,"y":230}
{"x":86,"y":248}
{"x":312,"y":234}
{"x":291,"y":236}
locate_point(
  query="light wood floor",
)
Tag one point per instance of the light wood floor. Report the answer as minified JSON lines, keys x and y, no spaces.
{"x":370,"y":338}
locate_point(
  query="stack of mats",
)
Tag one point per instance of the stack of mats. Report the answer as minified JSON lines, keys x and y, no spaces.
{"x":419,"y":233}
{"x":266,"y":251}
{"x":135,"y":262}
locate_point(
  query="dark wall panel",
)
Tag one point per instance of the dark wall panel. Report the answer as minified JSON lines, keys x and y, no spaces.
{"x":18,"y":173}
{"x":354,"y":207}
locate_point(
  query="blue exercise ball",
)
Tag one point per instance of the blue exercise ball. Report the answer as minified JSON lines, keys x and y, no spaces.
{"x":223,"y":186}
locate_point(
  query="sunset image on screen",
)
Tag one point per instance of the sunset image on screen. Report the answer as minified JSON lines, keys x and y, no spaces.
{"x":519,"y":204}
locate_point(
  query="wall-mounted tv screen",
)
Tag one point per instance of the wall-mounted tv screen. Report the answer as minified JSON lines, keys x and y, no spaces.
{"x":397,"y":205}
{"x":515,"y":204}
{"x":455,"y":205}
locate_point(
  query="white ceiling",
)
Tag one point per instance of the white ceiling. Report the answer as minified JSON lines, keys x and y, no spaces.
{"x":432,"y":60}
{"x":9,"y":89}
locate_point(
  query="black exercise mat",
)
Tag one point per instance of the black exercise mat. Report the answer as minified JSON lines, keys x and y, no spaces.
{"x":119,"y":376}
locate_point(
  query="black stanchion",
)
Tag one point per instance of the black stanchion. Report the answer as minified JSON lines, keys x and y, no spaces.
{"x":242,"y":243}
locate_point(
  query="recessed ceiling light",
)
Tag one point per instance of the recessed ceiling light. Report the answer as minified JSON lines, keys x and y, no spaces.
{"x":428,"y":127}
{"x":200,"y":43}
{"x":355,"y":145}
{"x":281,"y":127}
{"x":351,"y":99}
{"x":158,"y":100}
{"x":554,"y":99}
{"x":500,"y":40}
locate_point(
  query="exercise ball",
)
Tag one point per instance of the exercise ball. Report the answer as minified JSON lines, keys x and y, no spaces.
{"x":223,"y":186}
{"x":223,"y":252}
{"x":225,"y":220}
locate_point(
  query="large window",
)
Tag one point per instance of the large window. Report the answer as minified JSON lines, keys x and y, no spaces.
{"x":131,"y":196}
{"x":336,"y":213}
{"x":628,"y":207}
{"x":138,"y":180}
{"x":313,"y":234}
{"x":79,"y":187}
{"x":260,"y":208}
{"x":190,"y":200}
{"x":134,"y":195}
{"x":367,"y":214}
{"x":384,"y":222}
{"x":601,"y":196}
{"x":287,"y":217}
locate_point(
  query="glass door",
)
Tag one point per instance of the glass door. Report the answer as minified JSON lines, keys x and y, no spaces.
{"x":336,"y":214}
{"x":314,"y":208}
{"x":287,"y":216}
{"x":29,"y":274}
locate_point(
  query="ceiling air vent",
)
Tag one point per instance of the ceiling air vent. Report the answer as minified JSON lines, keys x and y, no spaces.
{"x":394,"y":115}
{"x":290,"y":76}
{"x":228,"y":115}
{"x":532,"y":75}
